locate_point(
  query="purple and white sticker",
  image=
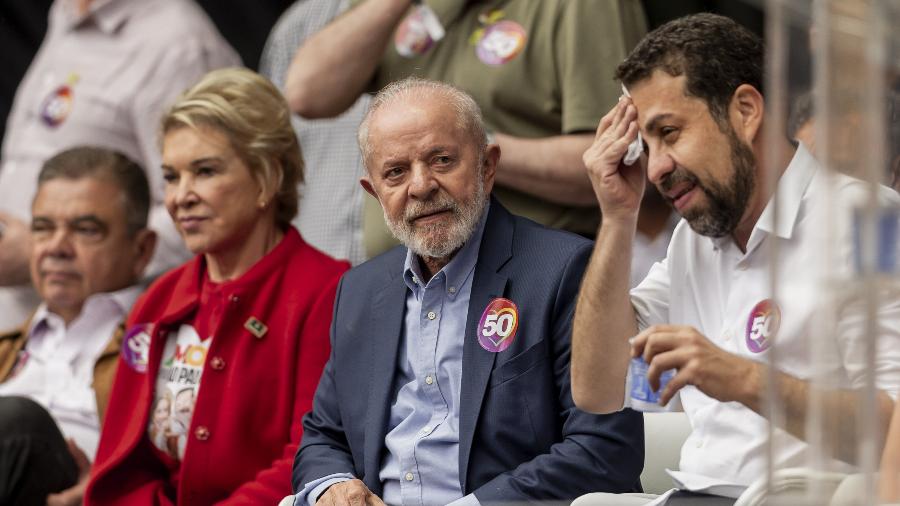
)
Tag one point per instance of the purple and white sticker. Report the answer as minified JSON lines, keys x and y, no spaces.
{"x":498,"y":325}
{"x":136,"y":346}
{"x":762,"y":325}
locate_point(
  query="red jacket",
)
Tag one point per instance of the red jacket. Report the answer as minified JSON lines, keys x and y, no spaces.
{"x":256,"y":385}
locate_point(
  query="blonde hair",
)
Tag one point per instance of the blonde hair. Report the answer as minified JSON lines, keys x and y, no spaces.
{"x":255,"y":118}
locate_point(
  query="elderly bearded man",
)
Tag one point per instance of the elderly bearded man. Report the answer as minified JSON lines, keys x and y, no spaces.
{"x":448,"y":377}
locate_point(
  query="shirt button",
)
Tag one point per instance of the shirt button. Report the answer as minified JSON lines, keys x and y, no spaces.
{"x":426,"y":429}
{"x":233,"y":299}
{"x":432,"y":315}
{"x":409,"y":477}
{"x":452,"y":289}
{"x":217,"y":363}
{"x":201,"y":433}
{"x":429,"y":380}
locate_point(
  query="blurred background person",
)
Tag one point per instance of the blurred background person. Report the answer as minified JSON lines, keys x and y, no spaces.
{"x":89,"y":249}
{"x":331,"y":210}
{"x":536,"y":68}
{"x":249,"y":315}
{"x":105,"y":71}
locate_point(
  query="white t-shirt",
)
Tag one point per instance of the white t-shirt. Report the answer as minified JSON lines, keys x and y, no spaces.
{"x":727,"y":296}
{"x":177,"y":386}
{"x":57,"y":368}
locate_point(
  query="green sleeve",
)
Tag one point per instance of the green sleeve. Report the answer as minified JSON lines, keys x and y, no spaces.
{"x":591,"y":38}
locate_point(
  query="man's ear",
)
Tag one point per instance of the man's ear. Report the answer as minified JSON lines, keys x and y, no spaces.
{"x":145,"y":245}
{"x":366,"y":183}
{"x":746,"y":112}
{"x":491,"y":160}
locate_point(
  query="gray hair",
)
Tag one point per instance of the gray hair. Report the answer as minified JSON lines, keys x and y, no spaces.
{"x":468,"y":114}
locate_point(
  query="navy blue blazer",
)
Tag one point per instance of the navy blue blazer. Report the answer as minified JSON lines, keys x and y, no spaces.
{"x":521,"y":436}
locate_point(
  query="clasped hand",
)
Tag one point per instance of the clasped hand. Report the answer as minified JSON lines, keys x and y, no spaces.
{"x":349,"y":493}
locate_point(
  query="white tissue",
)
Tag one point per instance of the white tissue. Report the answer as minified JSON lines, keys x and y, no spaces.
{"x":637,"y":146}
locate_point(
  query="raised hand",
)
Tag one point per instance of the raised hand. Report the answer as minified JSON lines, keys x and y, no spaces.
{"x":619,"y":188}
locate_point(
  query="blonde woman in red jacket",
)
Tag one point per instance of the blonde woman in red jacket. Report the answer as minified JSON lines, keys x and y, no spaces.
{"x":222,"y":355}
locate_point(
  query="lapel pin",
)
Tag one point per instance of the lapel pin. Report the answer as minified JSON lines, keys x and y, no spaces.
{"x":256,"y":327}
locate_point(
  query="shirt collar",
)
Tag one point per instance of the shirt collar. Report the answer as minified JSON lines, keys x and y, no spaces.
{"x":122,"y":301}
{"x":790,"y":191}
{"x":457,"y":270}
{"x":108,"y":15}
{"x":791,"y":188}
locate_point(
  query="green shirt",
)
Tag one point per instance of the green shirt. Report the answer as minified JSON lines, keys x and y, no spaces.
{"x":537,"y":68}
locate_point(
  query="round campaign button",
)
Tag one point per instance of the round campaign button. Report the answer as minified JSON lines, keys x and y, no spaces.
{"x":501,"y":42}
{"x":56,"y":107}
{"x":411,"y":38}
{"x":762,"y":325}
{"x":498,"y":325}
{"x":136,"y":346}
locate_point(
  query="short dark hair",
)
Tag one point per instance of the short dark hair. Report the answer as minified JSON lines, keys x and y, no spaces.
{"x":714,"y":53}
{"x":101,"y":163}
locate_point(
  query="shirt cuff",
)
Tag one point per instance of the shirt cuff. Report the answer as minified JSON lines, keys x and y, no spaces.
{"x":312,"y":490}
{"x":469,"y":500}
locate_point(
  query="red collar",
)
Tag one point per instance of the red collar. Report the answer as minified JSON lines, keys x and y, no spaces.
{"x":185,"y":296}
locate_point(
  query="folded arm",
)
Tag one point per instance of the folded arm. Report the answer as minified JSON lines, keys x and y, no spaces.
{"x":605,"y":318}
{"x":550,"y":167}
{"x":332,"y":68}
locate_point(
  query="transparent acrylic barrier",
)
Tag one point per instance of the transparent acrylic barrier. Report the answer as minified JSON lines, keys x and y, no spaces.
{"x":833,"y":81}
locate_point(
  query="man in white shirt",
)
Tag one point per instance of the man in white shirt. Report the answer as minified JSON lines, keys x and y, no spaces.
{"x":708,"y":311}
{"x":90,"y":245}
{"x":104,"y":74}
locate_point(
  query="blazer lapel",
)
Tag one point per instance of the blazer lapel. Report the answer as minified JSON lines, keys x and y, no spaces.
{"x":384,"y":343}
{"x":488,"y":284}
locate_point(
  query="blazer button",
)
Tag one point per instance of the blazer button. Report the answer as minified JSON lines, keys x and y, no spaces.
{"x":217,"y":363}
{"x":201,"y":433}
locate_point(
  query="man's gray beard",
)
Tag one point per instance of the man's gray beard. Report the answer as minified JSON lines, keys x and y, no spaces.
{"x":438,"y":240}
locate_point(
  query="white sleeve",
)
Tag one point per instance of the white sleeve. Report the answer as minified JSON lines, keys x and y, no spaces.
{"x":852,"y":335}
{"x":650,"y":298}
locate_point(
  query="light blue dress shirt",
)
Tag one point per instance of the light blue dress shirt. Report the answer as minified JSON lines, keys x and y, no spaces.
{"x":421,"y":466}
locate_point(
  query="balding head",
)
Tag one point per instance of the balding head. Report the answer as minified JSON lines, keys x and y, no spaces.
{"x":468,"y":114}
